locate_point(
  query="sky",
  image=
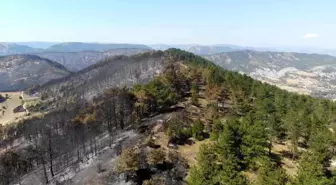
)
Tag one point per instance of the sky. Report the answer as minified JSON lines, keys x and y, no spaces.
{"x":310,"y":23}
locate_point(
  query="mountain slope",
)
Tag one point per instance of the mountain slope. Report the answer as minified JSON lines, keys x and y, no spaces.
{"x":110,"y":72}
{"x":79,"y":46}
{"x":75,"y":61}
{"x":10,"y":48}
{"x":255,"y":130}
{"x":18,"y":72}
{"x":306,"y":73}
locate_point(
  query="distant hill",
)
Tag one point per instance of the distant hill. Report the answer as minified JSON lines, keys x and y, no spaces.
{"x":18,"y":72}
{"x":111,"y":72}
{"x":37,"y":44}
{"x":209,"y":50}
{"x":220,"y":48}
{"x":11,"y":48}
{"x":79,"y":46}
{"x":167,"y":46}
{"x":75,"y":61}
{"x":305,"y":73}
{"x":200,"y":49}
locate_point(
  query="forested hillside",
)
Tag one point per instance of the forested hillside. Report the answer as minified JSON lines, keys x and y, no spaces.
{"x":183,"y":102}
{"x":76,"y":61}
{"x":18,"y":72}
{"x":111,"y":72}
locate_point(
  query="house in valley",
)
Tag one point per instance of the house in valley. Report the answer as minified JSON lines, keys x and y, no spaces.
{"x":19,"y":109}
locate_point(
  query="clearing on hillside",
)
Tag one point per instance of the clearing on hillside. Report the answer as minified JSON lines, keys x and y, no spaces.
{"x":13,"y":106}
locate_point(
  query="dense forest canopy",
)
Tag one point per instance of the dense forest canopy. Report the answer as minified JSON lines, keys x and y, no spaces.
{"x":244,"y":119}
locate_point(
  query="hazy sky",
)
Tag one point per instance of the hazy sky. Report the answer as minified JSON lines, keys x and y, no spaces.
{"x":243,"y":22}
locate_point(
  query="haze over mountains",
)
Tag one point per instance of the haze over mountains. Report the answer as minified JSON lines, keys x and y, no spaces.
{"x":23,"y":48}
{"x":220,"y":48}
{"x":75,"y":61}
{"x":78,"y":46}
{"x":10,"y":49}
{"x":305,"y":73}
{"x":34,"y":47}
{"x":41,"y":45}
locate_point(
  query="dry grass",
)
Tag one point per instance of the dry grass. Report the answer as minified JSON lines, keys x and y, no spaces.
{"x":288,"y":164}
{"x":11,"y":103}
{"x":252,"y":176}
{"x":162,"y":140}
{"x":203,"y":102}
{"x":189,"y":152}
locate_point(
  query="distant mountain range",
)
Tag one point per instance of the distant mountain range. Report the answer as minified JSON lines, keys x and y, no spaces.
{"x":305,"y":73}
{"x":10,"y":49}
{"x":40,"y":45}
{"x":200,"y":49}
{"x":25,"y":47}
{"x":166,"y":46}
{"x":34,"y":47}
{"x":75,"y":61}
{"x":220,"y":48}
{"x":18,"y":72}
{"x":78,"y":46}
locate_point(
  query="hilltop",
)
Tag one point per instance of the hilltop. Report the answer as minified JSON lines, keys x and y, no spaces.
{"x":111,"y":72}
